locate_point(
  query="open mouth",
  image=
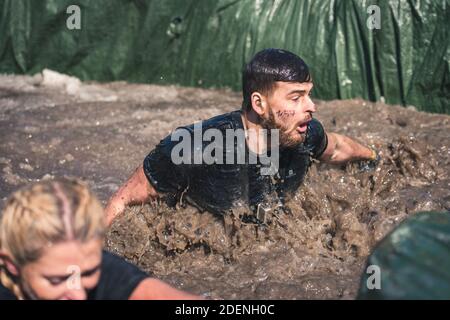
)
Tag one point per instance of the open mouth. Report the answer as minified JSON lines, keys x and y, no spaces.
{"x":303,"y":127}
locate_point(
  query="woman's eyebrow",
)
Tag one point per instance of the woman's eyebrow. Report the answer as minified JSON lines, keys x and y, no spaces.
{"x":57,"y":277}
{"x":67,"y":276}
{"x":91,"y":271}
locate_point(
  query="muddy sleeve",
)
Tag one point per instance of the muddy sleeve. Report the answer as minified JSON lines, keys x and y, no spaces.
{"x":118,"y":279}
{"x":163,"y":171}
{"x":316,"y":138}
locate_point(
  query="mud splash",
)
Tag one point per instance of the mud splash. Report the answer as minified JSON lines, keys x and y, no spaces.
{"x":313,"y":249}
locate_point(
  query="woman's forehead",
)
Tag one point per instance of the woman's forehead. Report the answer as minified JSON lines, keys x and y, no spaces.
{"x":57,"y":258}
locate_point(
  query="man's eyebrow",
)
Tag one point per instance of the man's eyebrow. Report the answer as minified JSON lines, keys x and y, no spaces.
{"x":67,"y":276}
{"x":297,"y":91}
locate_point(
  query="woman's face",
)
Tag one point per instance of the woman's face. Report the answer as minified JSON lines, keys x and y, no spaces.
{"x":65,"y":271}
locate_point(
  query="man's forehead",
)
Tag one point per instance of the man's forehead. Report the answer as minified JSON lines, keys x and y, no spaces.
{"x":293,"y":86}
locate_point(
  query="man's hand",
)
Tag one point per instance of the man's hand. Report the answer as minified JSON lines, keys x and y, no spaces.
{"x":136,"y":190}
{"x":371,"y":164}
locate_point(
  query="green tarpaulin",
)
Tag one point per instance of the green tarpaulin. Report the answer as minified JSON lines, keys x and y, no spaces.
{"x":206,"y":43}
{"x":413,"y":262}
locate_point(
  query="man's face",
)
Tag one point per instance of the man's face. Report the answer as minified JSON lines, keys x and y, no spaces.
{"x":289,"y":109}
{"x":65,"y":271}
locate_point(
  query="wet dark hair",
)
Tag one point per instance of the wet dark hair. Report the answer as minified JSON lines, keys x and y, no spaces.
{"x":269,"y":66}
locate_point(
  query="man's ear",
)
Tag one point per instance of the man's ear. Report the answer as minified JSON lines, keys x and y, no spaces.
{"x":6,"y":260}
{"x":259,"y":103}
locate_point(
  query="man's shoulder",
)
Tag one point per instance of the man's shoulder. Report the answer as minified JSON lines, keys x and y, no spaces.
{"x":316,"y":139}
{"x":315,"y":129}
{"x":229,"y":120}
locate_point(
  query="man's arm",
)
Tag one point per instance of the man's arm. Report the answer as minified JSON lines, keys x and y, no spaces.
{"x":154,"y":289}
{"x":341,"y":149}
{"x":136,"y":190}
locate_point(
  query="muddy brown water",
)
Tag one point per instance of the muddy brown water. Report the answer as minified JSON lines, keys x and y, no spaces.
{"x":316,"y":250}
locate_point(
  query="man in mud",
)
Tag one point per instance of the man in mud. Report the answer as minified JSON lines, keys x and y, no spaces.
{"x":274,"y":130}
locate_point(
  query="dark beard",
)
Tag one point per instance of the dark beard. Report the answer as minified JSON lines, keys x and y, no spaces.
{"x":286,"y":140}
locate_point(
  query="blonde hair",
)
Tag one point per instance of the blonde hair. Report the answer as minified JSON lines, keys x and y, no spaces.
{"x":43,"y":214}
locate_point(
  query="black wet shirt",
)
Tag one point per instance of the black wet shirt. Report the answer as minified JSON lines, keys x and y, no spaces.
{"x":118,"y":280}
{"x":218,"y":187}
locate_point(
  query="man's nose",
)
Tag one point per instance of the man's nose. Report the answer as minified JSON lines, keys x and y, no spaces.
{"x":310,"y":106}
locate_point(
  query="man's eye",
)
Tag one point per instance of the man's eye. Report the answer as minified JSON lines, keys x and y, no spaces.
{"x":296,"y":98}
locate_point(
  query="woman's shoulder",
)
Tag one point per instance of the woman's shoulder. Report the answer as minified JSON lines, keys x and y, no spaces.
{"x":118,"y":278}
{"x":6,"y":294}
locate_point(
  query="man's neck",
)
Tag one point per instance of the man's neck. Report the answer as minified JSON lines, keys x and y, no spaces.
{"x":255,"y":136}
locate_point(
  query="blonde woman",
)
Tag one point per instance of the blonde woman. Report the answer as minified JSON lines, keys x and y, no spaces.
{"x":51,"y":236}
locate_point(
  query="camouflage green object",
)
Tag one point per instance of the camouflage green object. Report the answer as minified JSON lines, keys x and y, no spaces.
{"x":413,"y":260}
{"x":206,"y":43}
